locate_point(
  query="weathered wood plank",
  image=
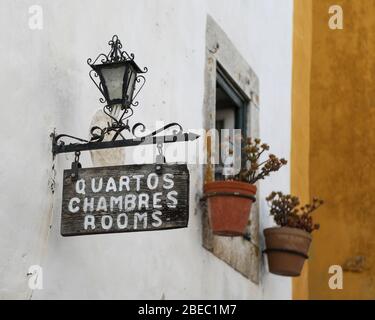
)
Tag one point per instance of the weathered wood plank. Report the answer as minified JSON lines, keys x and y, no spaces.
{"x":125,"y":199}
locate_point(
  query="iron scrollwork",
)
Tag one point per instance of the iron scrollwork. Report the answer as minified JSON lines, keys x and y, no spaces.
{"x":118,"y":126}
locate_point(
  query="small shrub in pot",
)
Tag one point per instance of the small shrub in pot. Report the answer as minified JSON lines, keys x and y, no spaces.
{"x":287,"y":245}
{"x":230,"y":200}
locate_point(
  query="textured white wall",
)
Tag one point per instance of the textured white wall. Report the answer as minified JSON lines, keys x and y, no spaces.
{"x":44,"y":84}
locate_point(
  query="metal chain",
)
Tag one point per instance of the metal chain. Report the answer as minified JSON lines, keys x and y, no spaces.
{"x":160,"y":148}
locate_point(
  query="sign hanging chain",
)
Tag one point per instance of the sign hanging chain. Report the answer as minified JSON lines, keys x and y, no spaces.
{"x":160,"y":159}
{"x":75,"y":166}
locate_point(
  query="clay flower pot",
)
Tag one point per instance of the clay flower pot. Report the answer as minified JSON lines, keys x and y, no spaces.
{"x":286,"y":250}
{"x":229,"y":206}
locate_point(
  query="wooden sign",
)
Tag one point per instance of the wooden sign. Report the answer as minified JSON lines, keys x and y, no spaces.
{"x":125,"y":199}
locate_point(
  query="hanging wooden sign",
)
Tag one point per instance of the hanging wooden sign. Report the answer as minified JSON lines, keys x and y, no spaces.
{"x":125,"y":199}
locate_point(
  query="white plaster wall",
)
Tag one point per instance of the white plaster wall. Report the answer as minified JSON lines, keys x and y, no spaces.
{"x":44,"y":84}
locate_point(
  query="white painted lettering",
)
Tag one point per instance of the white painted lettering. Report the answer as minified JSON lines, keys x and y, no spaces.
{"x":80,"y":186}
{"x":124,"y":217}
{"x":71,"y":207}
{"x":99,"y":187}
{"x":168,"y":179}
{"x":107,"y":222}
{"x":157,"y":221}
{"x":102,"y":204}
{"x":89,"y":222}
{"x":152,"y":185}
{"x":138,"y":178}
{"x":143,"y":199}
{"x":115,"y":201}
{"x":111,"y":185}
{"x":140,"y":217}
{"x":124,"y":182}
{"x":88,"y":205}
{"x":171,"y":196}
{"x":156,"y":200}
{"x":130,"y":202}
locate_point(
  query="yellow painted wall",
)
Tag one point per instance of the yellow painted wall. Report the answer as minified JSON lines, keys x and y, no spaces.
{"x":300,"y":154}
{"x":336,"y":113}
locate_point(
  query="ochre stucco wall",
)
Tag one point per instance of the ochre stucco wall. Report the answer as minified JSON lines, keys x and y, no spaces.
{"x":341,"y":103}
{"x":301,"y":117}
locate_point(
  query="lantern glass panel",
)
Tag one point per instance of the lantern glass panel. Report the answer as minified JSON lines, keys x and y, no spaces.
{"x":130,"y":85}
{"x":113,"y":80}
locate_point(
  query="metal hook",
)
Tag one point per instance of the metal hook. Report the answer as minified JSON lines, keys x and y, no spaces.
{"x":76,"y":156}
{"x":160,"y":157}
{"x":160,"y":148}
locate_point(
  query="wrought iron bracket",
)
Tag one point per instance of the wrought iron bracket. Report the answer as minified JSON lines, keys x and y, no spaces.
{"x":118,"y":117}
{"x":59,"y":146}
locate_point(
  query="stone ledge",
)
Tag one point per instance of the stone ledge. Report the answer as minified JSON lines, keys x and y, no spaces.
{"x":241,"y":254}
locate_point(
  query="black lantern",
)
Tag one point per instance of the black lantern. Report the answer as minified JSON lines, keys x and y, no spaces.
{"x":118,"y":74}
{"x":120,"y":81}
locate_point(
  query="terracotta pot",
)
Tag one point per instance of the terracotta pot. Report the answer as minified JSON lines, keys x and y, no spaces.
{"x":286,"y":250}
{"x":229,"y":206}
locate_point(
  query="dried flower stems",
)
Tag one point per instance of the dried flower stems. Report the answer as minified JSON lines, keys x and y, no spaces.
{"x":285,"y":211}
{"x":255,"y":170}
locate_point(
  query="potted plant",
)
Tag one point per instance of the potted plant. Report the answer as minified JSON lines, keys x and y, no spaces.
{"x":287,"y":245}
{"x":230,"y":200}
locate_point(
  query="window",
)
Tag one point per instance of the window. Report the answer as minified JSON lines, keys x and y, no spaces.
{"x":231,"y":111}
{"x":230,"y":101}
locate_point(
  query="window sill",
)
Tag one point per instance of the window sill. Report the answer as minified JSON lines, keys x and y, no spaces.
{"x":240,"y":253}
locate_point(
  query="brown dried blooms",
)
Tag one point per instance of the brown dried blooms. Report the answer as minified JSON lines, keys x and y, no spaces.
{"x":255,"y":169}
{"x":285,"y":211}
